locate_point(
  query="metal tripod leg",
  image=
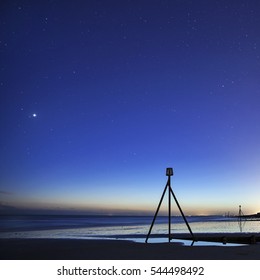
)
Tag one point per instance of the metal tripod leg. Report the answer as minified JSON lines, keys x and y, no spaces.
{"x":183,"y":216}
{"x":155,"y":215}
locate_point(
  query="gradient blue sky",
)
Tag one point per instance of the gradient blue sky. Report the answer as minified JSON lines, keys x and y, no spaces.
{"x":99,"y":97}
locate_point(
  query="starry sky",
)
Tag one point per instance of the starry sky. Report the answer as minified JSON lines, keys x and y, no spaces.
{"x":98,"y":97}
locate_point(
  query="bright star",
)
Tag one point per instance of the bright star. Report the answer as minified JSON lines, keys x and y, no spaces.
{"x":34,"y":115}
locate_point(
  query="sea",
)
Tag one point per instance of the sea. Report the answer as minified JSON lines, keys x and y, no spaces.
{"x":133,"y":228}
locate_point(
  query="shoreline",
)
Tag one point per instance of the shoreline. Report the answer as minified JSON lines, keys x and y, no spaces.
{"x":86,"y":249}
{"x":218,"y":237}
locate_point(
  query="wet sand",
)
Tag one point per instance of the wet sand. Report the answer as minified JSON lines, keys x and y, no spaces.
{"x":75,"y":249}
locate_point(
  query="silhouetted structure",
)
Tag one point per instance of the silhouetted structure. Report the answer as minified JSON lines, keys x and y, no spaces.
{"x":169,"y":173}
{"x":240,"y":213}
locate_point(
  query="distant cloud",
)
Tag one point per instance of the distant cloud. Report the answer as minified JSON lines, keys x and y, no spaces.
{"x":4,"y":206}
{"x":8,"y":210}
{"x":6,"y":193}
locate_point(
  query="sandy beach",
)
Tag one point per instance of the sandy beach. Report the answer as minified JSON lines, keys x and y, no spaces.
{"x":74,"y":249}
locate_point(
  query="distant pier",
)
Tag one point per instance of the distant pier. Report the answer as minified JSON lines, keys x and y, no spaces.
{"x":241,"y":215}
{"x":249,"y":217}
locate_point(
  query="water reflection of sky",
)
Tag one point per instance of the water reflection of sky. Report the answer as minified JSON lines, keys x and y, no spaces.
{"x":109,"y":231}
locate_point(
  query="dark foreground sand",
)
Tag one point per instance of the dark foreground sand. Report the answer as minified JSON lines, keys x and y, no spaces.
{"x":69,"y":249}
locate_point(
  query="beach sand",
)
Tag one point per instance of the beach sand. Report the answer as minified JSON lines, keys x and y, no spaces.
{"x":75,"y":249}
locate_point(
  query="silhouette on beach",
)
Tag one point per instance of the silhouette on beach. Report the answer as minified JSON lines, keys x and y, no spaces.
{"x":169,"y":173}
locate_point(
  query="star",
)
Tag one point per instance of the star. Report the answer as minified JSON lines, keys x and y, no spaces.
{"x":34,"y":115}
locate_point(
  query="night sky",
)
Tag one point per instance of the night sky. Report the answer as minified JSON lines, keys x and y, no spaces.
{"x":99,"y":97}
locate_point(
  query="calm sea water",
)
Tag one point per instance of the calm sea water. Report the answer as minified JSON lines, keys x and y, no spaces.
{"x":85,"y":227}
